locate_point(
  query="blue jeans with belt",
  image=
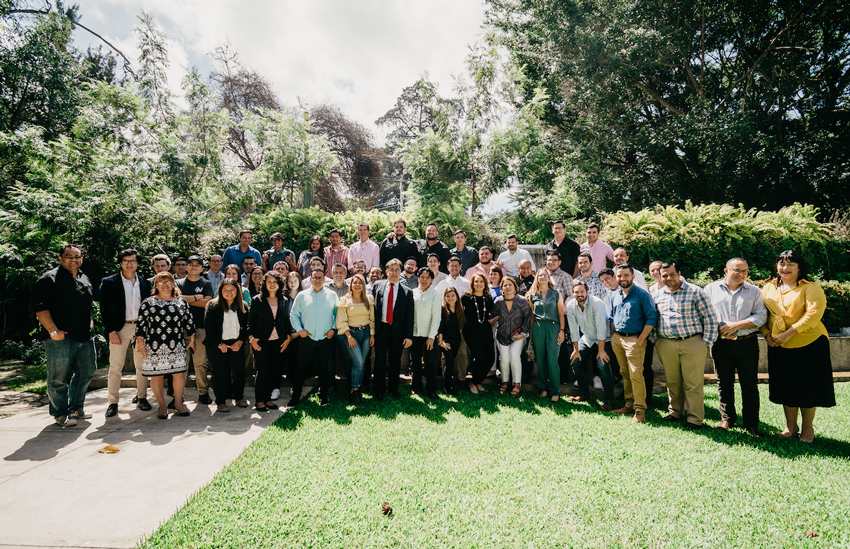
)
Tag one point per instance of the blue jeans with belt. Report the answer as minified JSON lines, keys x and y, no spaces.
{"x":358,"y":354}
{"x":63,"y":356}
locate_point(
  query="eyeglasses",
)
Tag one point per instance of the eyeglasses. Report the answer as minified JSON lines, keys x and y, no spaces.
{"x":129,"y":262}
{"x":542,"y":276}
{"x":740,"y":271}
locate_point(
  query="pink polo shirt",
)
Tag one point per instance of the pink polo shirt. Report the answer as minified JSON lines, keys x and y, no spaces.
{"x":600,"y":251}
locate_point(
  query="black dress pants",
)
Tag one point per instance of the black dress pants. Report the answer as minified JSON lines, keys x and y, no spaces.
{"x":269,"y":363}
{"x":648,"y":372}
{"x":421,"y":357}
{"x":228,"y":372}
{"x":312,"y":356}
{"x":387,"y":359}
{"x":741,"y":355}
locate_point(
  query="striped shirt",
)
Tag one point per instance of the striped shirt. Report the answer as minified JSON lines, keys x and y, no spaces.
{"x":332,"y":257}
{"x":686,"y":312}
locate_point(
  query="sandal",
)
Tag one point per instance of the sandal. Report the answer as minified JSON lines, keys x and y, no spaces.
{"x":517,"y":388}
{"x":473,"y":389}
{"x":544,"y":394}
{"x":503,"y":387}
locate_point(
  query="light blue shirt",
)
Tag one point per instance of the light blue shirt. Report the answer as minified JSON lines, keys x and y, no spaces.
{"x":592,"y":321}
{"x":314,"y":312}
{"x":745,"y":303}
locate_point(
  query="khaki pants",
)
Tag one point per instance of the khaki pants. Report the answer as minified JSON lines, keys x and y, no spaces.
{"x":117,"y":356}
{"x":684,"y":367}
{"x":630,"y":358}
{"x":199,"y":361}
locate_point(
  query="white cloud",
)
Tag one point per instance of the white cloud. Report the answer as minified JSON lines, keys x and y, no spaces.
{"x":357,"y":55}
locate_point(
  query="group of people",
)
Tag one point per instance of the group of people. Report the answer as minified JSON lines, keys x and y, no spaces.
{"x":459,"y":313}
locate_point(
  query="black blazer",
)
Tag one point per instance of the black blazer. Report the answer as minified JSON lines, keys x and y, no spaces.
{"x":112,"y":301}
{"x":402,"y":327}
{"x":261,"y":322}
{"x":214,"y":323}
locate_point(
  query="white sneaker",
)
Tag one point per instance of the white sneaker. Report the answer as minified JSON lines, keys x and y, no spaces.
{"x":65,"y":421}
{"x":597,"y":382}
{"x":275,"y":394}
{"x":575,"y":383}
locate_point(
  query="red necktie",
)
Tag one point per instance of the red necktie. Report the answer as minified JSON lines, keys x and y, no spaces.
{"x":390,"y":305}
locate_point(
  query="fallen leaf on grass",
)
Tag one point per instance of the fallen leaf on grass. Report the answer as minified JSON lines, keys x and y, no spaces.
{"x":386,"y":509}
{"x":108,"y":450}
{"x":811,"y":534}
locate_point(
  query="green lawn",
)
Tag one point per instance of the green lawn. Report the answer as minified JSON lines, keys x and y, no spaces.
{"x":494,"y":471}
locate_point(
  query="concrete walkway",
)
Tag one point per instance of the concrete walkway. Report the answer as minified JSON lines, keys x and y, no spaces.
{"x":56,"y":490}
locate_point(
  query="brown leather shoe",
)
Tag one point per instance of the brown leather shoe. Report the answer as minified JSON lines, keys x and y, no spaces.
{"x":607,"y":407}
{"x":624,"y":410}
{"x":639,"y":417}
{"x":724,"y":425}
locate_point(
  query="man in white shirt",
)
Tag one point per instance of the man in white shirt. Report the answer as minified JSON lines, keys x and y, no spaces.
{"x":427,"y":308}
{"x":364,"y":249}
{"x":600,"y":251}
{"x":589,"y":314}
{"x":622,"y":258}
{"x":511,"y":258}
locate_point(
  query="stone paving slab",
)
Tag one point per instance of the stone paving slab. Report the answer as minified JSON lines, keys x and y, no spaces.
{"x":56,"y":490}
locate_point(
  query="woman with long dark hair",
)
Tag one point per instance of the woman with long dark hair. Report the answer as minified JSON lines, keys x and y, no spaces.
{"x":798,"y":359}
{"x":452,"y":322}
{"x":269,"y":334}
{"x":226,"y":321}
{"x":478,"y":332}
{"x":514,"y":325}
{"x":315,"y":248}
{"x":232,"y":271}
{"x":255,"y":281}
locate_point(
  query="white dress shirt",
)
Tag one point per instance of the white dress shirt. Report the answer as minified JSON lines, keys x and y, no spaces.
{"x":396,"y":290}
{"x":510,"y":261}
{"x":132,"y":298}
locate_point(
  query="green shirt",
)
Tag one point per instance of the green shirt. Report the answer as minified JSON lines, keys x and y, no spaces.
{"x":546,"y":308}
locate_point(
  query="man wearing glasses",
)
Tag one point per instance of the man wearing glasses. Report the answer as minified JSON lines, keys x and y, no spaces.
{"x":121,"y":295}
{"x":214,"y":274}
{"x":278,"y":253}
{"x":62,"y":301}
{"x":741,"y":311}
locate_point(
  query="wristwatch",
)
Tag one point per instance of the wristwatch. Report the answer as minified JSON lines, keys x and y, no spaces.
{"x":53,"y":333}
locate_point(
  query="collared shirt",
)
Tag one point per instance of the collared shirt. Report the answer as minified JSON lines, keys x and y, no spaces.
{"x":427,"y":307}
{"x":460,"y":284}
{"x":215,"y":280}
{"x":800,"y":307}
{"x":68,"y":299}
{"x":518,"y":318}
{"x":632,"y":311}
{"x":639,"y":280}
{"x":608,"y":300}
{"x":468,"y":257}
{"x":745,"y":303}
{"x":234,"y":256}
{"x":314,"y":312}
{"x":132,"y":298}
{"x":332,"y":257}
{"x":410,"y":283}
{"x":368,"y":251}
{"x":563,"y":283}
{"x":594,"y":285}
{"x":274,"y":257}
{"x":340,"y":291}
{"x":477,"y":268}
{"x":592,"y":321}
{"x":686,"y":312}
{"x":510,"y":261}
{"x":306,"y":284}
{"x":599,"y":252}
{"x":396,"y":290}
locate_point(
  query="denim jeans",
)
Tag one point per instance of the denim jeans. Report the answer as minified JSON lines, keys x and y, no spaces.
{"x":587,"y":356}
{"x":358,"y":355}
{"x":62,"y":356}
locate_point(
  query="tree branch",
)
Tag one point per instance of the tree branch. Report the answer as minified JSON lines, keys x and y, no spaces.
{"x":658,"y":98}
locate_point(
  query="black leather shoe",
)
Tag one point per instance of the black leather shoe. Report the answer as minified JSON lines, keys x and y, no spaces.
{"x":670,"y":418}
{"x":432,"y":395}
{"x":450,"y":391}
{"x":112,"y":410}
{"x":293,"y":402}
{"x":143,"y":404}
{"x":692,"y":426}
{"x":136,"y":399}
{"x":358,"y":398}
{"x":205,"y":399}
{"x":324,"y":400}
{"x":187,"y":413}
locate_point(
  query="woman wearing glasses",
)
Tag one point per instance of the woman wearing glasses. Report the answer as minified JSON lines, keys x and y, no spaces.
{"x":547,"y":332}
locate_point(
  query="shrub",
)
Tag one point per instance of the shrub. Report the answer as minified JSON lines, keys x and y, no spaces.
{"x":29,"y":353}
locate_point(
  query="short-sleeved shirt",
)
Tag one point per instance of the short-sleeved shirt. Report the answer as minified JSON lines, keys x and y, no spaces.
{"x":274,"y":256}
{"x":599,"y":252}
{"x":569,"y":250}
{"x":202,"y":287}
{"x":439,"y":248}
{"x":68,"y":299}
{"x":234,"y":256}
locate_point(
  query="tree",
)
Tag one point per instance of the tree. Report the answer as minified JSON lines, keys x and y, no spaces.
{"x":743,"y":101}
{"x":359,"y":171}
{"x":415,"y":111}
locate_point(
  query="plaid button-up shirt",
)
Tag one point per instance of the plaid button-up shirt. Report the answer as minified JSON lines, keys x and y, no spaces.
{"x":685,"y":312}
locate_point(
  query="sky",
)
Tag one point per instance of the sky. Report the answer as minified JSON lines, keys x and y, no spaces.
{"x":355,"y":54}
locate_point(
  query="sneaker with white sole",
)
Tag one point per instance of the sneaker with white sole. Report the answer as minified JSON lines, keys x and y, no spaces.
{"x":80,"y":414}
{"x":597,"y":383}
{"x":65,"y":421}
{"x":575,"y":383}
{"x":275,"y":394}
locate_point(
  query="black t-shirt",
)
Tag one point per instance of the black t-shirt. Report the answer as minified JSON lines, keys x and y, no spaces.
{"x":569,"y":251}
{"x":440,"y":249}
{"x":68,"y":300}
{"x":398,"y":248}
{"x":201,"y":286}
{"x":524,"y":284}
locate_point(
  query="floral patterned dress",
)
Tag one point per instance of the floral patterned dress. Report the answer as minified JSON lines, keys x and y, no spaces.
{"x":162,"y":325}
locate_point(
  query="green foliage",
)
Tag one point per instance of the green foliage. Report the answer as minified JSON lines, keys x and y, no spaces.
{"x":28,"y":353}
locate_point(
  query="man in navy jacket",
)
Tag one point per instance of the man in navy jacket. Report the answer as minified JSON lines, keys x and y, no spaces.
{"x":121,"y":295}
{"x":393,"y":327}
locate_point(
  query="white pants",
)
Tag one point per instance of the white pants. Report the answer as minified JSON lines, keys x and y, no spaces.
{"x":117,"y":355}
{"x":510,"y":358}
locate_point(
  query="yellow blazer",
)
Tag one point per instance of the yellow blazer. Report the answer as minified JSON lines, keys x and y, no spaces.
{"x":800,"y":307}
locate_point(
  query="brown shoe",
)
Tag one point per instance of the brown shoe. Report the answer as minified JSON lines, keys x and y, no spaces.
{"x":607,"y":407}
{"x":624,"y":410}
{"x":639,"y":417}
{"x":724,"y":425}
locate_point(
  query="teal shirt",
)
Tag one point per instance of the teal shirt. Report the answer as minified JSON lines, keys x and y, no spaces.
{"x":314,"y":312}
{"x":546,"y":309}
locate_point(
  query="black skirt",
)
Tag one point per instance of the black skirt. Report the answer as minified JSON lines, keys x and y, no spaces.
{"x":801,"y":377}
